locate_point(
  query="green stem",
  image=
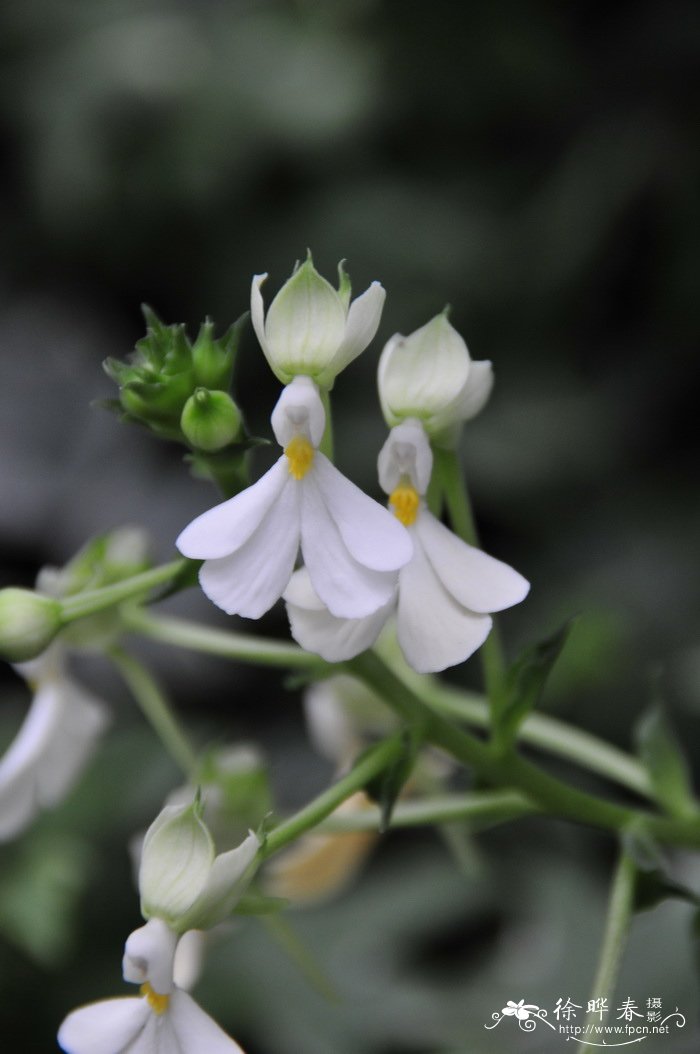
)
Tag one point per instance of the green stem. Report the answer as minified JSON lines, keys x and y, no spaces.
{"x":510,"y":770}
{"x":369,"y":766}
{"x":242,"y":646}
{"x":620,"y":909}
{"x":326,"y":444}
{"x":156,"y":709}
{"x":94,"y":600}
{"x":463,"y":524}
{"x":482,"y":809}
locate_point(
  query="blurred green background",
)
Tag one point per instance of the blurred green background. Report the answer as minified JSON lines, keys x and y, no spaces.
{"x":536,"y":165}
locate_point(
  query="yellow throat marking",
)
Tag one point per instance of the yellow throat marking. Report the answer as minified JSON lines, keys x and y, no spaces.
{"x":158,"y":1003}
{"x":405,"y":501}
{"x":300,"y":456}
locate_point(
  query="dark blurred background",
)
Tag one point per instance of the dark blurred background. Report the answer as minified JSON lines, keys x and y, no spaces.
{"x":535,"y":165}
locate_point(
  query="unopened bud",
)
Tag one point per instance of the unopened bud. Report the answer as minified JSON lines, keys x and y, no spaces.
{"x":210,"y":420}
{"x":28,"y":623}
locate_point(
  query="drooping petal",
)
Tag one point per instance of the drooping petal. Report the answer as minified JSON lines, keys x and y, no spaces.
{"x":250,"y":581}
{"x":84,"y":717}
{"x":347,"y":588}
{"x":225,"y":528}
{"x":196,"y":1032}
{"x":434,"y":631}
{"x":362,"y":324}
{"x":107,"y":1027}
{"x":373,"y":536}
{"x":477,"y":581}
{"x":257,"y":312}
{"x":334,"y":639}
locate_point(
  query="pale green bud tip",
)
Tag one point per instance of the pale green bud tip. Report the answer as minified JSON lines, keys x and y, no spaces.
{"x":210,"y":420}
{"x":28,"y":623}
{"x":178,"y":853}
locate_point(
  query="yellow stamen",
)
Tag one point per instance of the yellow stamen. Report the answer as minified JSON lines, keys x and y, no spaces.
{"x":300,"y":455}
{"x":406,"y":502}
{"x":157,"y":1002}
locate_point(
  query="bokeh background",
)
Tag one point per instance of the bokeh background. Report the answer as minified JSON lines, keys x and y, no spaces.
{"x":535,"y":165}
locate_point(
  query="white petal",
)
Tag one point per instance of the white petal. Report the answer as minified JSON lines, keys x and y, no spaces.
{"x":83,"y":720}
{"x":476,"y":391}
{"x":149,"y":954}
{"x":225,"y":528}
{"x":419,"y":374}
{"x":107,"y":1027}
{"x":335,"y":639}
{"x":299,"y":411}
{"x":406,"y":452}
{"x":362,"y":324}
{"x":227,"y":880}
{"x":477,"y":581}
{"x":257,"y":312}
{"x":305,"y":323}
{"x":347,"y":588}
{"x":189,"y":959}
{"x":301,"y":593}
{"x":196,"y":1032}
{"x":250,"y":581}
{"x":434,"y":631}
{"x":373,"y":536}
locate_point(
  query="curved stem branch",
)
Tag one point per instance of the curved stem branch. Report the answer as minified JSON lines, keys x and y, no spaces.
{"x":94,"y":600}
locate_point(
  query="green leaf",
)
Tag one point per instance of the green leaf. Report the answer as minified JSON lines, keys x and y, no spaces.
{"x":661,"y":755}
{"x":525,"y":681}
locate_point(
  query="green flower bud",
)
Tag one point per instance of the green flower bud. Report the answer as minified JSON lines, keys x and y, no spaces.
{"x":28,"y":623}
{"x":212,"y":360}
{"x":210,"y":420}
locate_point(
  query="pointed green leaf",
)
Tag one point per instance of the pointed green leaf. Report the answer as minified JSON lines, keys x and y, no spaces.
{"x":525,"y":681}
{"x":665,"y":762}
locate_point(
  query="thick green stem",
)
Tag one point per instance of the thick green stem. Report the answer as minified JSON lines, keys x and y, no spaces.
{"x":374,"y":761}
{"x":94,"y":600}
{"x":620,"y":909}
{"x":511,"y":770}
{"x":463,"y":524}
{"x":157,"y":710}
{"x":480,"y":809}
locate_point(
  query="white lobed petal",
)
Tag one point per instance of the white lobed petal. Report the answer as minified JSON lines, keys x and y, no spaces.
{"x":257,"y":317}
{"x":107,"y":1027}
{"x":362,"y":323}
{"x":250,"y":580}
{"x":225,"y":528}
{"x":346,"y":587}
{"x":434,"y":631}
{"x":227,"y":880}
{"x":372,"y":535}
{"x":196,"y":1032}
{"x":299,"y":411}
{"x":334,"y":639}
{"x":476,"y":581}
{"x":84,"y":718}
{"x":476,"y":391}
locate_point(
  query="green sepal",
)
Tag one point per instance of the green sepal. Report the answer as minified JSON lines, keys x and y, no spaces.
{"x":661,"y":755}
{"x":525,"y":681}
{"x":386,"y":787}
{"x":258,"y":904}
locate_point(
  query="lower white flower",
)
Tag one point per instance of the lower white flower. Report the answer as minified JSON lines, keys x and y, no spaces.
{"x":52,"y":746}
{"x":163,"y":1020}
{"x":352,"y":547}
{"x":444,"y":595}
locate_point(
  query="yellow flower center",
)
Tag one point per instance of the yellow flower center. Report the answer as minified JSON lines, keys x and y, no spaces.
{"x":300,"y":455}
{"x":157,"y":1002}
{"x":405,"y":501}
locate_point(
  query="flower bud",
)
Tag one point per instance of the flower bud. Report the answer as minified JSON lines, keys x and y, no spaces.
{"x":28,"y":623}
{"x":429,"y":375}
{"x":213,"y":359}
{"x":210,"y":420}
{"x":311,"y":328}
{"x":182,"y":880}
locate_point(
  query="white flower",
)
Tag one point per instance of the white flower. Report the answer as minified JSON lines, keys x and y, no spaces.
{"x":430,"y":376}
{"x":163,"y":1020}
{"x":313,"y":329}
{"x":55,"y":741}
{"x":181,"y":878}
{"x":351,"y":546}
{"x":445,"y":593}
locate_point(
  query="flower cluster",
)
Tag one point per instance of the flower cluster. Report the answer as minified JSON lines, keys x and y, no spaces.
{"x":361,"y":563}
